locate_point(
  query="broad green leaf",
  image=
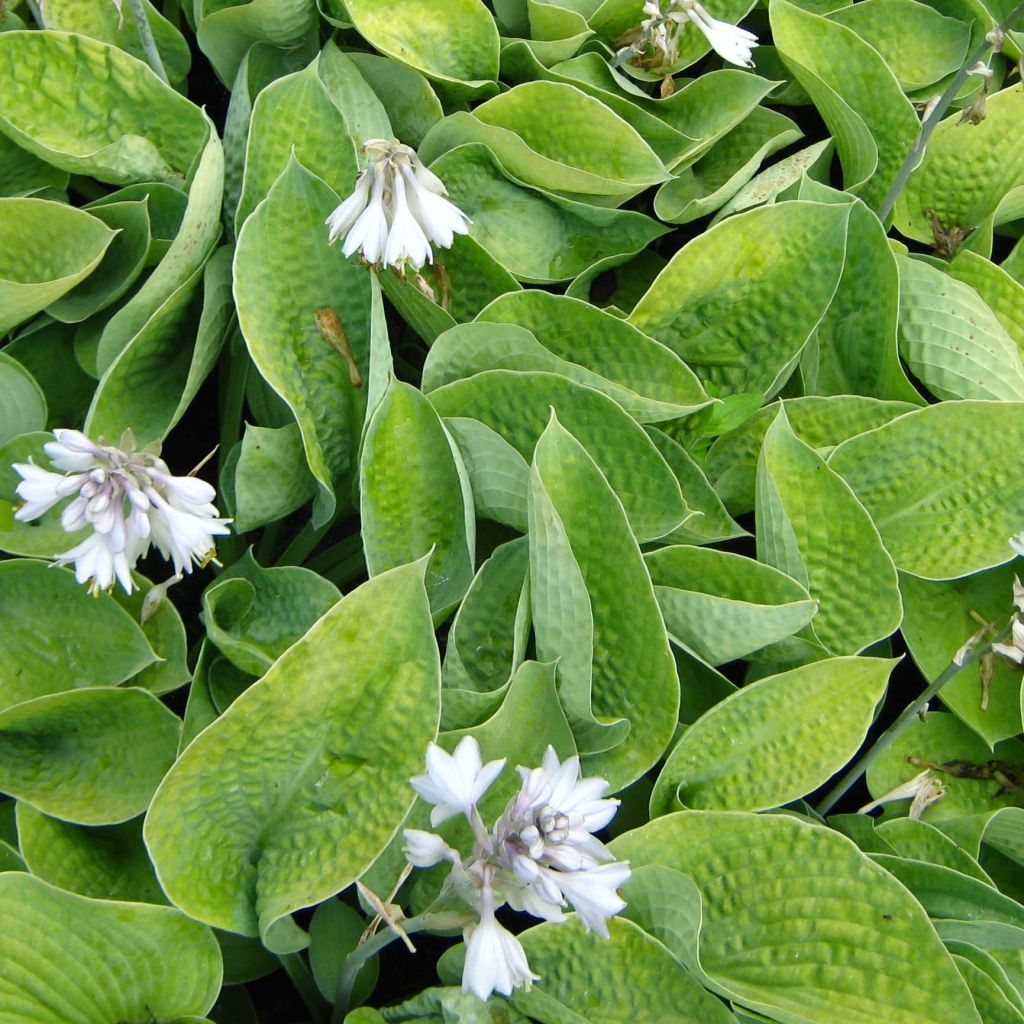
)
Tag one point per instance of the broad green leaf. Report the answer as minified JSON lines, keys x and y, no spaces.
{"x":97,"y":643}
{"x":998,"y":289}
{"x":48,"y":355}
{"x":1002,"y":943}
{"x":334,"y":932}
{"x":820,"y":422}
{"x":411,"y":104}
{"x":939,"y":487}
{"x":916,"y":839}
{"x":987,"y":964}
{"x":109,"y":24}
{"x":449,"y":41}
{"x":991,"y":1001}
{"x":723,"y":606}
{"x":284,"y":271}
{"x":919,"y":44}
{"x":738,"y":302}
{"x":777,"y":898}
{"x":75,"y":960}
{"x":856,"y":93}
{"x":22,"y":402}
{"x":255,"y":614}
{"x":517,"y":405}
{"x":125,"y":125}
{"x":590,"y":980}
{"x":774,"y":740}
{"x":92,"y":756}
{"x":940,"y":739}
{"x":951,"y":340}
{"x":558,"y":138}
{"x":646,"y":378}
{"x":938,"y":619}
{"x":46,"y":248}
{"x":536,"y":235}
{"x":107,"y":863}
{"x":806,"y":514}
{"x":271,"y":478}
{"x":265,"y":811}
{"x":414,"y":497}
{"x":21,"y":173}
{"x":606,"y":626}
{"x":989,"y":155}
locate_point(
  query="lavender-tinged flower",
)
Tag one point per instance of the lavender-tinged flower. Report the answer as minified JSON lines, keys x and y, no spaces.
{"x":130,"y":502}
{"x":396,"y":211}
{"x":454,"y":783}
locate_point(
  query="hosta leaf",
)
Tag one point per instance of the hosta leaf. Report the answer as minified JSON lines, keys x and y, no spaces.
{"x":989,"y":155}
{"x":517,"y":405}
{"x":97,"y":644}
{"x":126,"y":124}
{"x":408,"y":99}
{"x":998,"y":289}
{"x":271,"y":478}
{"x":939,"y":487}
{"x":92,"y":756}
{"x":108,"y":863}
{"x":23,"y":407}
{"x":774,"y":740}
{"x":723,"y":606}
{"x":265,"y":811}
{"x":916,"y":839}
{"x":414,"y":496}
{"x":992,"y":1002}
{"x":590,"y":980}
{"x":951,"y":339}
{"x":806,"y":513}
{"x":21,"y":173}
{"x":777,"y":898}
{"x":738,"y":303}
{"x":606,"y":627}
{"x":275,"y":311}
{"x":859,"y":98}
{"x":106,"y":963}
{"x":46,"y":248}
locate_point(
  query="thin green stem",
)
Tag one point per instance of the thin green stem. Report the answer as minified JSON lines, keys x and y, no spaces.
{"x":267,"y":542}
{"x":345,"y":554}
{"x":302,"y":979}
{"x":145,"y":34}
{"x":303,"y":543}
{"x":37,"y":12}
{"x":936,"y":115}
{"x":235,"y":360}
{"x":444,"y":921}
{"x":909,"y":713}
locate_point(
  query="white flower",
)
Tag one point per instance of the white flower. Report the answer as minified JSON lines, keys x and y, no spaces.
{"x":454,"y":783}
{"x":659,"y":32}
{"x":495,"y":959}
{"x":397,"y":210}
{"x":593,"y":894}
{"x":128,"y":499}
{"x":922,"y":790}
{"x":425,"y":849}
{"x":730,"y":42}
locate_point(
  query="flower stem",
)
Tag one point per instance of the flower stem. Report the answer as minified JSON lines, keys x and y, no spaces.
{"x":145,"y":34}
{"x":302,"y":979}
{"x":443,"y":921}
{"x":936,"y":115}
{"x":909,"y":713}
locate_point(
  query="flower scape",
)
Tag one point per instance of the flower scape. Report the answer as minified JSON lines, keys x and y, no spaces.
{"x":507,"y":512}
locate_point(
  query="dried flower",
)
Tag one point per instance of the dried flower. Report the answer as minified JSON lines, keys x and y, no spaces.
{"x":656,"y":41}
{"x":922,"y":790}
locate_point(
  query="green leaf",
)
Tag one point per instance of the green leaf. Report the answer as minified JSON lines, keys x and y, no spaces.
{"x":107,"y":863}
{"x":254,"y":614}
{"x":126,"y":124}
{"x":46,"y":248}
{"x":916,"y":839}
{"x":738,"y":302}
{"x":938,"y":486}
{"x":271,"y":478}
{"x":855,"y":92}
{"x":590,"y":980}
{"x":97,"y":644}
{"x":988,"y":155}
{"x":414,"y":497}
{"x":411,"y":104}
{"x":777,"y":898}
{"x":21,"y":173}
{"x":951,"y":340}
{"x":594,"y":607}
{"x":449,"y":41}
{"x":992,"y":1003}
{"x":997,"y":288}
{"x":775,"y":740}
{"x":517,"y":405}
{"x":105,"y":963}
{"x":723,"y":606}
{"x":536,"y":235}
{"x":806,"y":513}
{"x":66,"y":754}
{"x":284,"y":271}
{"x":23,"y":404}
{"x":647,"y":379}
{"x":334,"y":933}
{"x":347,"y":710}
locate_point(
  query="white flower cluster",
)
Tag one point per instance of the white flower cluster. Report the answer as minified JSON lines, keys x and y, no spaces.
{"x":540,"y":856}
{"x":128,"y":500}
{"x":660,"y":30}
{"x":397,"y":210}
